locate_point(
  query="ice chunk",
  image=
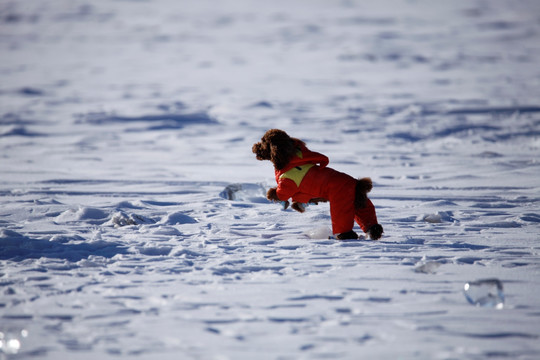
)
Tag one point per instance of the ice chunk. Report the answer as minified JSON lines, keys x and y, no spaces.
{"x":245,"y":192}
{"x":485,"y":293}
{"x":10,"y":342}
{"x":322,"y":232}
{"x":120,"y":219}
{"x":438,"y":217}
{"x":429,"y":267}
{"x":230,"y":190}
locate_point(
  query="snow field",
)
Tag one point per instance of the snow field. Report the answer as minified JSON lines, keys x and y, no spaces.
{"x":123,"y":124}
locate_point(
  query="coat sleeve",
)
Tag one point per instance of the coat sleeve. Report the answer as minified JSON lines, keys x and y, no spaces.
{"x":314,"y":157}
{"x":302,"y":197}
{"x":286,"y":188}
{"x":320,"y":159}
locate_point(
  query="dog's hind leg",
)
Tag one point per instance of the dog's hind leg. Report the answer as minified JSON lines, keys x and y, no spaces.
{"x":366,"y":218}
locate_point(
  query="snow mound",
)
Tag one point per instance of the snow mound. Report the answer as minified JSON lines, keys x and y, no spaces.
{"x":87,"y":214}
{"x":178,"y":218}
{"x":10,"y":238}
{"x":151,"y":250}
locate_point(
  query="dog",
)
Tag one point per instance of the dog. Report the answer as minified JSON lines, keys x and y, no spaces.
{"x":303,"y":175}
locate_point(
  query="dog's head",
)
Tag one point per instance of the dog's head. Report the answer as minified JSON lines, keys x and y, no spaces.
{"x":275,"y":146}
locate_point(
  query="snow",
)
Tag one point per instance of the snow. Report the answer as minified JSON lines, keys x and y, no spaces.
{"x":133,"y":218}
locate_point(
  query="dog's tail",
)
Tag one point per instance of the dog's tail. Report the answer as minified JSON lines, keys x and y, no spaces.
{"x":363,"y":186}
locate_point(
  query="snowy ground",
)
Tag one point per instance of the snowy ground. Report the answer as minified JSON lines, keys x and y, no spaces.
{"x":122,"y":122}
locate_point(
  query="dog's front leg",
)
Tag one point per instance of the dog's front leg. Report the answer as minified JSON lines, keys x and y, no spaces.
{"x":271,"y":194}
{"x":300,"y":207}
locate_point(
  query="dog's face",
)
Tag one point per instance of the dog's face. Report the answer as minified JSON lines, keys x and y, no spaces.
{"x":262,"y":150}
{"x":275,"y":146}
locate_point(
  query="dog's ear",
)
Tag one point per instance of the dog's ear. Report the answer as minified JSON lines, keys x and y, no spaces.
{"x":279,"y":157}
{"x":282,"y":150}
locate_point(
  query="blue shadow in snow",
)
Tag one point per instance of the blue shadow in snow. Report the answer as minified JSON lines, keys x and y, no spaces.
{"x":158,"y":122}
{"x":17,"y":247}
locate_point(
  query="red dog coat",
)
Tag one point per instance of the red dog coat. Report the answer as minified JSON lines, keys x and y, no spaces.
{"x":306,"y":177}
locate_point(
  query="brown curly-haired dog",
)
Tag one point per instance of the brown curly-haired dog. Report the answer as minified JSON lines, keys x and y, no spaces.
{"x":303,"y":175}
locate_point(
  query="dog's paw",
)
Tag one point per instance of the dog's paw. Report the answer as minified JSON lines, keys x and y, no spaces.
{"x":271,"y":194}
{"x":375,"y":232}
{"x":300,"y":207}
{"x":349,"y":235}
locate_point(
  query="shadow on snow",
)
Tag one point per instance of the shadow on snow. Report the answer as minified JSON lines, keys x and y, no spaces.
{"x":17,"y":247}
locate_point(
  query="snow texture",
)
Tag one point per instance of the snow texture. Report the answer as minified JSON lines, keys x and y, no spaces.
{"x":133,"y":218}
